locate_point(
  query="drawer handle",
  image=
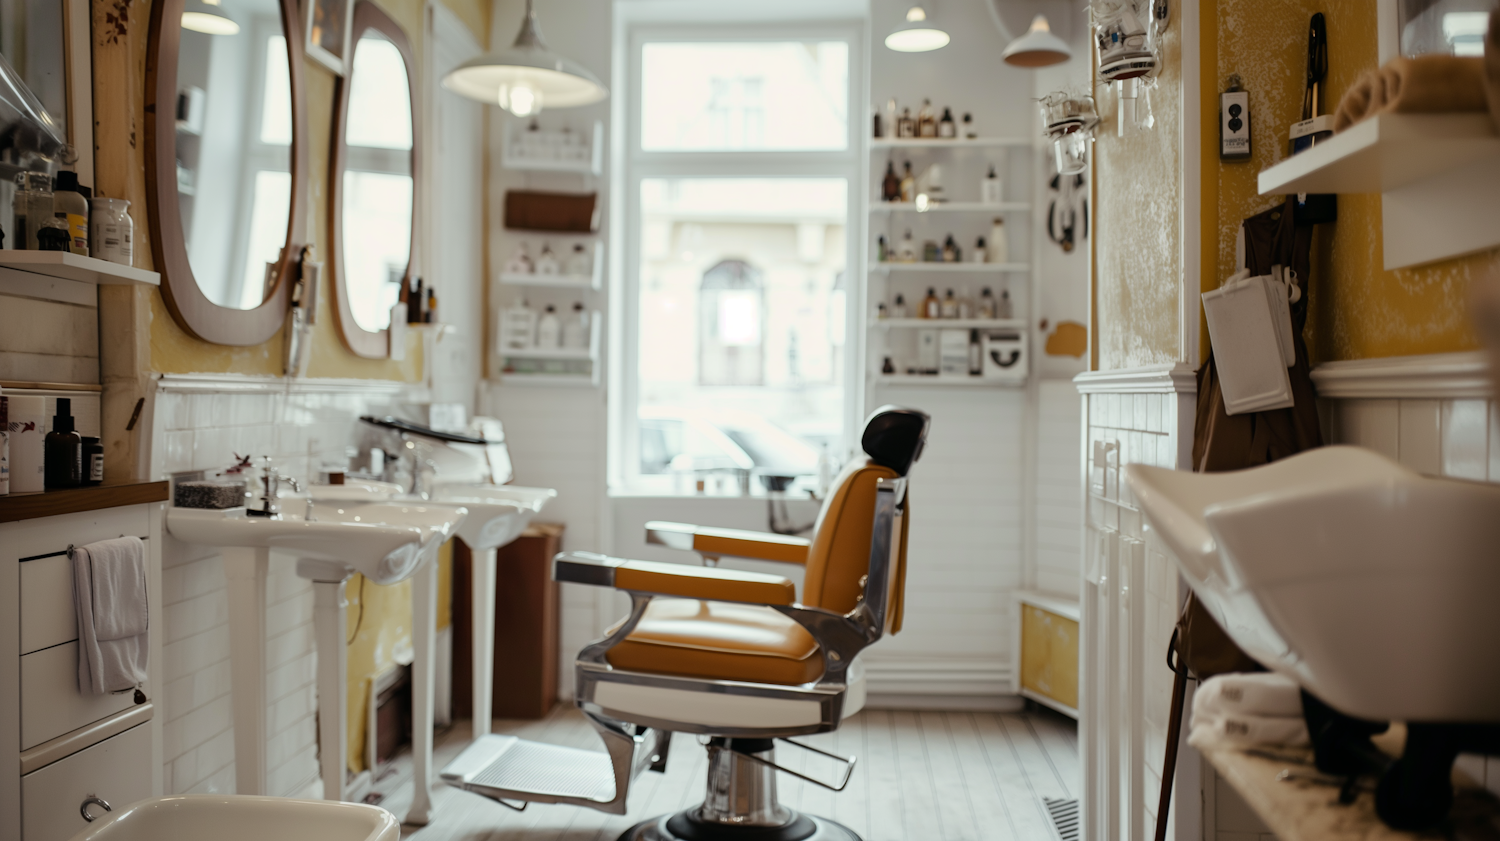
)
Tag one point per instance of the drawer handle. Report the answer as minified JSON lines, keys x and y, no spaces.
{"x":92,"y":801}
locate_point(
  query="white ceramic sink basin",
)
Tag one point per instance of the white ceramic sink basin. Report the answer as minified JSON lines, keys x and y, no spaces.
{"x":385,"y":542}
{"x":1371,"y":585}
{"x":221,"y":817}
{"x":497,"y":514}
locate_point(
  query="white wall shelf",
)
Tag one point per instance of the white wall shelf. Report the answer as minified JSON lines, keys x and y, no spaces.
{"x":549,"y":380}
{"x":948,"y":207}
{"x":901,"y":380}
{"x":954,"y":268}
{"x":512,"y":157}
{"x":1438,"y":176}
{"x":549,"y":353}
{"x":940,"y":323}
{"x":75,"y":267}
{"x":948,"y":142}
{"x":595,"y":280}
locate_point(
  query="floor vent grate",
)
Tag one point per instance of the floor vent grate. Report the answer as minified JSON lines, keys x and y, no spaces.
{"x":1064,"y":814}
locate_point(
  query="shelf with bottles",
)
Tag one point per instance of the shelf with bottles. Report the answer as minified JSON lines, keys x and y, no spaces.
{"x":532,"y":344}
{"x":898,"y":380}
{"x":529,"y":147}
{"x":948,"y":323}
{"x":969,"y":268}
{"x":877,"y":208}
{"x":950,"y":142}
{"x":581,"y":268}
{"x":953,"y":355}
{"x":65,"y":265}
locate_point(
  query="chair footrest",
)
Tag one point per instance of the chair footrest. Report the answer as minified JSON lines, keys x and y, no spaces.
{"x":509,"y":768}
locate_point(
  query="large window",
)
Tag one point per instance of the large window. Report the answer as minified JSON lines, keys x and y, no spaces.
{"x":742,"y":175}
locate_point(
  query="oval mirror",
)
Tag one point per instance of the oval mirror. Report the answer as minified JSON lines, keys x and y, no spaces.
{"x":226,"y":162}
{"x":374,"y":181}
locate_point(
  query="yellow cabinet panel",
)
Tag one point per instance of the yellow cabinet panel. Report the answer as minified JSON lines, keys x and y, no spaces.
{"x":1049,"y":655}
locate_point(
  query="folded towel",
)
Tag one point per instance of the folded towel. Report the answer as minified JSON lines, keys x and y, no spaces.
{"x":1249,"y":693}
{"x":1214,"y":731}
{"x":1426,"y":84}
{"x":109,"y":596}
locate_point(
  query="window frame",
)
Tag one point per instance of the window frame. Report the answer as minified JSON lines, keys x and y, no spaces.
{"x":639,"y":164}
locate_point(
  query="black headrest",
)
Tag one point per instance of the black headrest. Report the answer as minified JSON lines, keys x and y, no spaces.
{"x":894,"y":436}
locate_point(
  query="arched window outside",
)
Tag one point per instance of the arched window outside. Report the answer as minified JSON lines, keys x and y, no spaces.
{"x":731,"y":325}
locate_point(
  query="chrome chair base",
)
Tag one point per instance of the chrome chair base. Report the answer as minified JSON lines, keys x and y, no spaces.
{"x":687,"y":825}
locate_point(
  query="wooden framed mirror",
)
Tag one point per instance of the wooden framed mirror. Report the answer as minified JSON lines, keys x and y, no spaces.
{"x":373,"y":193}
{"x":226,"y":163}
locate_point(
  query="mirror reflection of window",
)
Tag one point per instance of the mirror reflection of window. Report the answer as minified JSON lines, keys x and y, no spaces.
{"x":378,"y":197}
{"x":234,"y":134}
{"x":1449,"y":27}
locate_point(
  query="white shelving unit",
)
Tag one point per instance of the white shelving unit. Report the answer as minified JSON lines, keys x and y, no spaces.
{"x":949,"y":143}
{"x":950,"y":323}
{"x":904,"y":380}
{"x":75,"y":267}
{"x":949,"y":207}
{"x":952,"y":268}
{"x":513,"y":157}
{"x":564,"y":356}
{"x":591,"y":281}
{"x":1438,"y":176}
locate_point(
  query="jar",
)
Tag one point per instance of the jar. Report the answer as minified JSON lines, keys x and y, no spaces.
{"x":32,"y":207}
{"x":111,"y":231}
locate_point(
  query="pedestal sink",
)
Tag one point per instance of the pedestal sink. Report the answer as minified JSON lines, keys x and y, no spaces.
{"x":497,"y":514}
{"x":387,"y":542}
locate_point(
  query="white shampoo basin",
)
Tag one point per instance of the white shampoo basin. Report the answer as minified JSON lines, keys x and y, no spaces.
{"x":227,"y":817}
{"x":1371,"y":585}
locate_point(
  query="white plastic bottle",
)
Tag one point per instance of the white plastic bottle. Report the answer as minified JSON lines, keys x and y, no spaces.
{"x":579,"y":264}
{"x":998,"y":245}
{"x":575,"y":331}
{"x":547,"y":263}
{"x":111,"y":231}
{"x":549,"y":330}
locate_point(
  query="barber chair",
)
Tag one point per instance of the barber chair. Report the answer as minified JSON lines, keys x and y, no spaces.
{"x":730,"y":656}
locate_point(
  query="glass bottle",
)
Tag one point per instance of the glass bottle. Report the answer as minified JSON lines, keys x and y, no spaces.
{"x":898,"y":309}
{"x":986,"y":303}
{"x":926,"y":120}
{"x":949,"y":307}
{"x":951,"y":251}
{"x":890,"y":186}
{"x":931,"y":306}
{"x":946,"y":127}
{"x":906,"y":127}
{"x":977,"y":253}
{"x":908,"y":252}
{"x":999,"y":243}
{"x":908,"y":185}
{"x":990,"y":189}
{"x":932,"y":252}
{"x":970,"y":133}
{"x":32,"y":206}
{"x":1005,"y":310}
{"x":882,"y":251}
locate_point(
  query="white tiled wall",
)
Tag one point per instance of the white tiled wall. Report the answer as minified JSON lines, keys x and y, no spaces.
{"x":202,"y":430}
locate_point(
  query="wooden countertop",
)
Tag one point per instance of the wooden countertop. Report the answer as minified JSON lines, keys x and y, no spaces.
{"x":1299,"y":810}
{"x":30,"y":506}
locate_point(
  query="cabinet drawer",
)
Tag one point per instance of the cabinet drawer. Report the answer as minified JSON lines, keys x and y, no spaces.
{"x":51,"y":704}
{"x":47,"y":616}
{"x":117,"y":771}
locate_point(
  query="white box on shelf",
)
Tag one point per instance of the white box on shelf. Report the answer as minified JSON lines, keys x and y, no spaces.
{"x":1004,"y":354}
{"x":953,"y":353}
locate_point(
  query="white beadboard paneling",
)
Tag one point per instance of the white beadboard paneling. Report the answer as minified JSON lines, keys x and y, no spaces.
{"x":1420,"y":433}
{"x":1371,"y":423}
{"x":1465,"y":430}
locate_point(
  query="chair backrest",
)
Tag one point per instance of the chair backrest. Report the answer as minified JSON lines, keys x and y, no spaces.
{"x":840,"y":555}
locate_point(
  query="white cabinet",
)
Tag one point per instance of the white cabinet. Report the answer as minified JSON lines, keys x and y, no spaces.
{"x":111,"y":771}
{"x":51,"y":704}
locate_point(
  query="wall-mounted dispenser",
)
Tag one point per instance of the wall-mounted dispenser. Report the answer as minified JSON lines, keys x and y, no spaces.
{"x":1126,"y":36}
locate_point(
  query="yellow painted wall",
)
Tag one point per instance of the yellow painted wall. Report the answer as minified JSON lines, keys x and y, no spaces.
{"x":1357,"y":309}
{"x":1137,"y":234}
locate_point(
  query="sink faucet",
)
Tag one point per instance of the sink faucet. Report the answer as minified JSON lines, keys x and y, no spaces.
{"x":271,"y":479}
{"x":419,"y":467}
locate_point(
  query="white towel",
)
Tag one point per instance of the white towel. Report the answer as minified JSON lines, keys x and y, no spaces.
{"x":1212,"y":731}
{"x":1249,"y":693}
{"x":109,"y":596}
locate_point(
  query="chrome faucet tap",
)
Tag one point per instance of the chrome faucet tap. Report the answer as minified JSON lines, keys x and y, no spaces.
{"x":271,"y":479}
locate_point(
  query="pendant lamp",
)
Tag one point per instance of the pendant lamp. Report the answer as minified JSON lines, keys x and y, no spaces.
{"x":916,"y":34}
{"x":526,"y":77}
{"x":1038,"y":47}
{"x":208,"y":17}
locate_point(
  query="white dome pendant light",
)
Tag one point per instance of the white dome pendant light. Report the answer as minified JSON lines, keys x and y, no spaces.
{"x":208,"y":17}
{"x":916,"y":34}
{"x":526,"y":77}
{"x":1038,"y":47}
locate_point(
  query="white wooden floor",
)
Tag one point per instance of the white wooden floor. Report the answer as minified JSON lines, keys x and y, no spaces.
{"x":946,"y":776}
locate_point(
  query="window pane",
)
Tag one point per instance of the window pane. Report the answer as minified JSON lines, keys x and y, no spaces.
{"x":377,"y":242}
{"x":741,"y":326}
{"x":773,"y":95}
{"x":276,"y":106}
{"x":380,"y":89}
{"x":268,"y":220}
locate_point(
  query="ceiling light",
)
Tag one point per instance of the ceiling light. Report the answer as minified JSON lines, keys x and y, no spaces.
{"x":916,"y":34}
{"x":526,"y":76}
{"x":208,"y":17}
{"x":1038,"y":47}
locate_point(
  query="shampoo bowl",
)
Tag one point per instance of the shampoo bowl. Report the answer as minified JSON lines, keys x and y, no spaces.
{"x":222,"y":817}
{"x":1372,"y":586}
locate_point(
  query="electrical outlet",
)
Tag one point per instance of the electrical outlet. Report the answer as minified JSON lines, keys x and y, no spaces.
{"x":1234,"y":125}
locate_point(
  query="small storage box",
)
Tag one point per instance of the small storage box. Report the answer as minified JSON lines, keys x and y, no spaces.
{"x":1004,"y":354}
